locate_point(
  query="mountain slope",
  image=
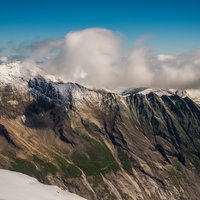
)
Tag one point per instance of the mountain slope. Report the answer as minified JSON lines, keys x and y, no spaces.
{"x":98,"y":144}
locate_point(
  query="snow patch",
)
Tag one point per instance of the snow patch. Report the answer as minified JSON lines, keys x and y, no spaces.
{"x":17,"y":186}
{"x":23,"y":118}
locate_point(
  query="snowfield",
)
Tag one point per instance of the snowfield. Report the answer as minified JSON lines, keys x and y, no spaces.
{"x":17,"y":186}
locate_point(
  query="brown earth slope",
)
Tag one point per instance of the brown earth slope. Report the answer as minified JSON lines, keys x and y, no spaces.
{"x":102,"y":145}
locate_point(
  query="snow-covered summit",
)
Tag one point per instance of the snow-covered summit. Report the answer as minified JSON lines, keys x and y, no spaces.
{"x":30,"y":79}
{"x":194,"y":95}
{"x":191,"y":93}
{"x":145,"y":91}
{"x":18,"y":73}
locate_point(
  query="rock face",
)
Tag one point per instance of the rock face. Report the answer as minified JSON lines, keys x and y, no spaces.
{"x":141,"y":145}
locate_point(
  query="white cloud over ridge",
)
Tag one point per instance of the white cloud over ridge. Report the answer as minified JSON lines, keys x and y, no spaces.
{"x":96,"y":57}
{"x":89,"y":57}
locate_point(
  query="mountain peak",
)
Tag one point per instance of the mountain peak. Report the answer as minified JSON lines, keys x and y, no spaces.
{"x":146,"y":90}
{"x":20,"y":72}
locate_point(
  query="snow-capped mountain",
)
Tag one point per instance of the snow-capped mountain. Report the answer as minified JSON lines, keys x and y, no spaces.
{"x":191,"y":93}
{"x":145,"y":91}
{"x":27,"y":77}
{"x":19,"y":72}
{"x":141,"y":144}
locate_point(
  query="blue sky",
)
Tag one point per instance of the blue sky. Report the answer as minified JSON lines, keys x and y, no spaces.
{"x":173,"y":24}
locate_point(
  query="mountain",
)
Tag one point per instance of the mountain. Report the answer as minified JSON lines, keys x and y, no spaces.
{"x":141,"y":144}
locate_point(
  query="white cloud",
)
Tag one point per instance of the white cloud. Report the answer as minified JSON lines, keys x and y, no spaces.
{"x":89,"y":57}
{"x":164,"y":57}
{"x":4,"y":59}
{"x":96,"y":57}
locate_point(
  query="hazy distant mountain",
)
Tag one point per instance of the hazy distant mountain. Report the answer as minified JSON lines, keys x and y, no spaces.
{"x":141,"y":144}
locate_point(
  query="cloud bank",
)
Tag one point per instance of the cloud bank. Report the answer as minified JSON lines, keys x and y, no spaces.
{"x":96,"y":57}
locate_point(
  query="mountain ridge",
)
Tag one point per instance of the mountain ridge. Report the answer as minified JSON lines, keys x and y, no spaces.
{"x":100,"y":144}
